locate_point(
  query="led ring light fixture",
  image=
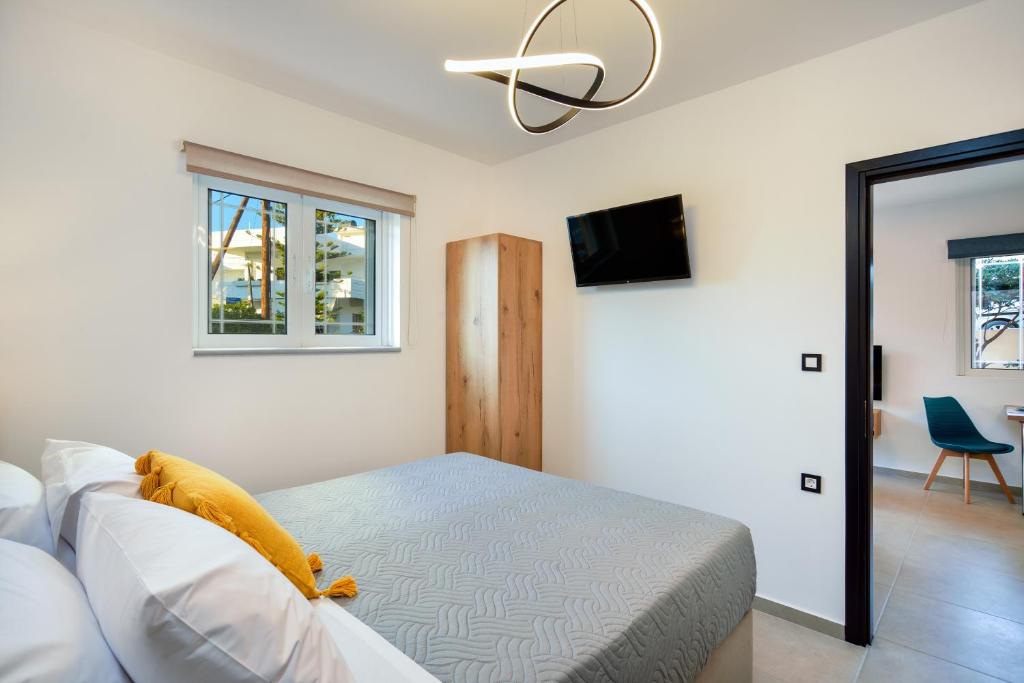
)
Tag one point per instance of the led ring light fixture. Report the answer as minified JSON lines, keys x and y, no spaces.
{"x":490,"y":68}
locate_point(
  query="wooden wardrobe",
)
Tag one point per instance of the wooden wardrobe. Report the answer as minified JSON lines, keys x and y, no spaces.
{"x":493,"y":355}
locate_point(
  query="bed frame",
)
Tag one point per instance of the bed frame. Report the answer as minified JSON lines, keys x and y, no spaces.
{"x":733,"y":660}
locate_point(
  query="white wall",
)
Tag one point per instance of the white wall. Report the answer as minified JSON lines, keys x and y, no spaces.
{"x":657,"y":389}
{"x":915,"y":322}
{"x":96,"y":267}
{"x":691,"y":392}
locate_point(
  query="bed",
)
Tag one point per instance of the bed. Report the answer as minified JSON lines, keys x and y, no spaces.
{"x":481,"y":571}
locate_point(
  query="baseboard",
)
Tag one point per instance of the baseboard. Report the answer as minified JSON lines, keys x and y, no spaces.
{"x":800,"y":618}
{"x":958,"y":482}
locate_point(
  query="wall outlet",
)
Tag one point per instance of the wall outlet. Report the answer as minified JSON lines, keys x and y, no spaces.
{"x":810,"y":483}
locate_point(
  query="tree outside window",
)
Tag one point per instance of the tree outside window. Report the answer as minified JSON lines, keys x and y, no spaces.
{"x":997,"y":313}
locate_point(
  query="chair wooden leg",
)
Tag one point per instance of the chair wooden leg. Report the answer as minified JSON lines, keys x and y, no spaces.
{"x":999,"y":476}
{"x":967,"y":478}
{"x":935,"y":470}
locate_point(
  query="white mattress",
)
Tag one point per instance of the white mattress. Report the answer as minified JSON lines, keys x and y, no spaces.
{"x":371,"y":658}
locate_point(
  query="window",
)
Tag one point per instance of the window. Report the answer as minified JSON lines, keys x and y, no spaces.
{"x":278,"y":270}
{"x":991,"y":292}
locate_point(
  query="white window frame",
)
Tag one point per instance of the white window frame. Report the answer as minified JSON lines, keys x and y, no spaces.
{"x":965,"y":327}
{"x":300,"y":277}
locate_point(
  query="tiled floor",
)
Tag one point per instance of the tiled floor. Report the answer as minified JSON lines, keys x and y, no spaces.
{"x":949,"y":596}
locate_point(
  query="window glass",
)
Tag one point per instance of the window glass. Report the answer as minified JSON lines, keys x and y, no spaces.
{"x":344,"y":274}
{"x":996,"y":313}
{"x":247,"y":264}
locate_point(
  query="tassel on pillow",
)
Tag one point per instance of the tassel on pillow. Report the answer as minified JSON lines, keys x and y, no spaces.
{"x":345,"y":587}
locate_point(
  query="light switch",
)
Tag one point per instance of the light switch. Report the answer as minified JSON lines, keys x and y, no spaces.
{"x":810,"y":362}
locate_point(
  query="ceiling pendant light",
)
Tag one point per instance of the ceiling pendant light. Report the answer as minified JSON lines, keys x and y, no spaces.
{"x":491,"y":68}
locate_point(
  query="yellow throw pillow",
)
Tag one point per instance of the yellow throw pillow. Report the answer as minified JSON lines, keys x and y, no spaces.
{"x":193,"y":488}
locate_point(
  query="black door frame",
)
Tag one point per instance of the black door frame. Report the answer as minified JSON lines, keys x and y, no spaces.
{"x":860,"y":177}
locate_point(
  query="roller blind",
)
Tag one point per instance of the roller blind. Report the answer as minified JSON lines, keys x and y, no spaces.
{"x":223,"y":164}
{"x":980,"y":247}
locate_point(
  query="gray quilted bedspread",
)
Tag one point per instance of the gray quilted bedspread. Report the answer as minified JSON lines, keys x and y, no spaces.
{"x":485,"y":572}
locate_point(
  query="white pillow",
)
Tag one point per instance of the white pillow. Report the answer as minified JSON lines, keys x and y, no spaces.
{"x":48,"y":634}
{"x":370,"y":656}
{"x":65,"y":554}
{"x":73,"y":468}
{"x":180,"y":599}
{"x":23,"y":508}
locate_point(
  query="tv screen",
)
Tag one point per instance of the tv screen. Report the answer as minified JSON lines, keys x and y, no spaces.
{"x":633,"y":243}
{"x":876,"y":373}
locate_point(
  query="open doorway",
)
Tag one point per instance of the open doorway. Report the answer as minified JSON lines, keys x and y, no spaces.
{"x":863,"y":178}
{"x":947,"y":304}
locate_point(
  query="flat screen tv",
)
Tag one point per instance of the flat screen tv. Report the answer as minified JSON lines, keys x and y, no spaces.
{"x":633,"y":243}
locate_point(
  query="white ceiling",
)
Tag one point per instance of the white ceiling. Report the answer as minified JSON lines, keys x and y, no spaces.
{"x":1006,"y":176}
{"x":381,"y":61}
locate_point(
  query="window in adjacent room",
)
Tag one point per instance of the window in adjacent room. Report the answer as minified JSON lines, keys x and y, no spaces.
{"x":279,"y":270}
{"x":991,"y":340}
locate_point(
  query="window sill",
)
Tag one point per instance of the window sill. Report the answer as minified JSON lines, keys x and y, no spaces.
{"x":285,"y":351}
{"x":992,"y":374}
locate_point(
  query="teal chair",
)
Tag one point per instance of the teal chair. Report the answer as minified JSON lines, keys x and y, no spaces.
{"x":952,"y":431}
